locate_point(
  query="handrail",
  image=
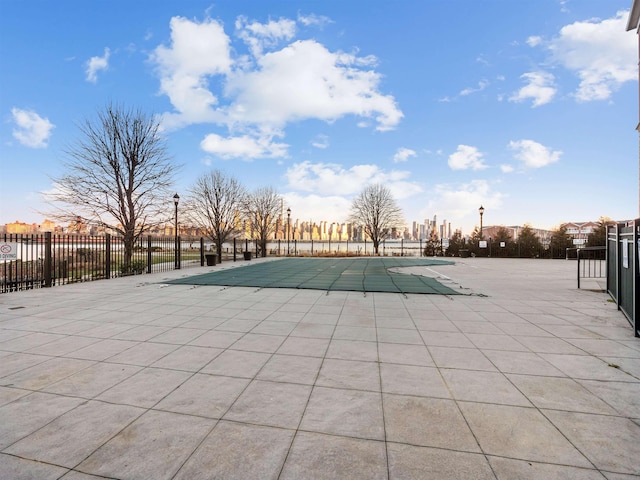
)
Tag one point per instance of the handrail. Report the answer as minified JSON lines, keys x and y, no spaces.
{"x":591,"y":262}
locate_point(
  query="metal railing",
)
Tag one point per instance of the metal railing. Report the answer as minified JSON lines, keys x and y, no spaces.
{"x":48,"y":260}
{"x":592,"y":263}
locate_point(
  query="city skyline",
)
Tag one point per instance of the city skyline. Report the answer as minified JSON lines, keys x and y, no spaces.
{"x":527,"y":110}
{"x":298,"y":229}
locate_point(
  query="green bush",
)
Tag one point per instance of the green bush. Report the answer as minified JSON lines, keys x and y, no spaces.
{"x":137,"y":267}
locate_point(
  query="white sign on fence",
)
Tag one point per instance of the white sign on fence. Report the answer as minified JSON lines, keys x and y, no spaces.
{"x":482,"y":244}
{"x":8,"y":251}
{"x":625,"y":253}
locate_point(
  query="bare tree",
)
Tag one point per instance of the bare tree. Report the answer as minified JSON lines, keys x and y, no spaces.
{"x":118,"y":176}
{"x":214,"y":204}
{"x":376,"y":210}
{"x":261,"y":208}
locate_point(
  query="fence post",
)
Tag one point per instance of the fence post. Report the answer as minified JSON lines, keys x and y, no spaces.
{"x":234,"y":249}
{"x":578,"y":262}
{"x":312,"y":247}
{"x":635,"y":254}
{"x":107,"y":255}
{"x":420,"y":248}
{"x":149,"y":254}
{"x":47,"y":259}
{"x":202,"y":251}
{"x":179,"y":253}
{"x":618,"y":263}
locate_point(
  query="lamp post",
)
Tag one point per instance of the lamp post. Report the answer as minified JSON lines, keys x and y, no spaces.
{"x":288,"y":227}
{"x":481,"y":210}
{"x":176,"y":200}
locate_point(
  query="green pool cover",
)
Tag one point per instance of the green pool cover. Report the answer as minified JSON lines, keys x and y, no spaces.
{"x":357,"y":274}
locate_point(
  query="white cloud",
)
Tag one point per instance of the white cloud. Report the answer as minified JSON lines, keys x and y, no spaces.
{"x":600,"y":52}
{"x":333,"y":179}
{"x":255,"y":96}
{"x":462,"y":200}
{"x":403,"y":154}
{"x":534,"y":154}
{"x":56,"y":191}
{"x":244,"y":147}
{"x":321,"y":141}
{"x":466,"y":157}
{"x":506,"y":168}
{"x":316,"y":208}
{"x":480,"y":59}
{"x":97,"y":64}
{"x":402,"y":189}
{"x":31,"y":130}
{"x":534,"y":41}
{"x":304,"y":80}
{"x":540,"y":88}
{"x":313,"y":19}
{"x":197,"y":50}
{"x":259,"y":36}
{"x":482,"y":84}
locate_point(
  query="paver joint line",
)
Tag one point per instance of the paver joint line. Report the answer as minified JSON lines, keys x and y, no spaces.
{"x":184,"y":381}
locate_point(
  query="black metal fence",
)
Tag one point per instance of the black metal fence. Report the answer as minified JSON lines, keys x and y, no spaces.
{"x":592,"y":263}
{"x":623,"y":276}
{"x":403,"y":248}
{"x":47,"y":260}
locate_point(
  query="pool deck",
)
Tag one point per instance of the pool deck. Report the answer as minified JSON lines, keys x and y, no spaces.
{"x":525,"y":377}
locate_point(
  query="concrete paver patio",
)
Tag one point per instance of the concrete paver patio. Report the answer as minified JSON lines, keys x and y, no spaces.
{"x":526,"y":377}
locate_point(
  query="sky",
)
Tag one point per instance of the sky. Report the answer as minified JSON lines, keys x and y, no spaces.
{"x":528,"y":108}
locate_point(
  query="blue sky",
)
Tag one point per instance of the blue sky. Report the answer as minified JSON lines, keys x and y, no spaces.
{"x":526,"y":107}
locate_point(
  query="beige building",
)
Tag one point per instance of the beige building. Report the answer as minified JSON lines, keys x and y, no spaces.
{"x":580,"y":231}
{"x":22,"y":228}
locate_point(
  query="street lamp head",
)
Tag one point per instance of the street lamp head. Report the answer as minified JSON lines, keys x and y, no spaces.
{"x":481,"y":209}
{"x":288,"y":211}
{"x":176,"y":199}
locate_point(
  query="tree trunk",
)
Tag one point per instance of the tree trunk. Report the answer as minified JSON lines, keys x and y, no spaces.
{"x":128,"y":242}
{"x":219,"y":249}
